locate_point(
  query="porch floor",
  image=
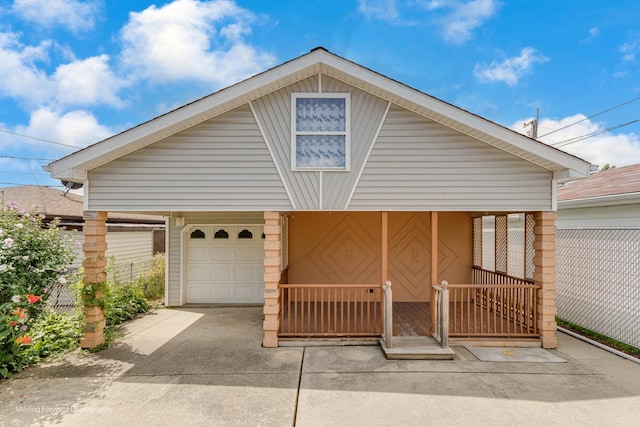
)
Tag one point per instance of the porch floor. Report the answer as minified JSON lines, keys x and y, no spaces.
{"x":411,"y":319}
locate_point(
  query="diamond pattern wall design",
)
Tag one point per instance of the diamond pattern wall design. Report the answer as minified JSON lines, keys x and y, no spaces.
{"x":348,"y":253}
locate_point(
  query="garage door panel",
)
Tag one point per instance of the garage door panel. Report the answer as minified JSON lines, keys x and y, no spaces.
{"x":244,"y":293}
{"x":221,"y":293}
{"x":222,"y":273}
{"x":222,"y":253}
{"x":198,"y":294}
{"x":245,"y":274}
{"x":199,"y":253}
{"x":198,"y":273}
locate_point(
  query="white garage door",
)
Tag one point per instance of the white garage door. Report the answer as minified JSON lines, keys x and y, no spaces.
{"x":225,"y":264}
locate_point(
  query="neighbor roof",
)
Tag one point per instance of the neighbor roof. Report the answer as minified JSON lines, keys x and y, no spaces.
{"x":58,"y":204}
{"x":74,"y":167}
{"x":623,"y":182}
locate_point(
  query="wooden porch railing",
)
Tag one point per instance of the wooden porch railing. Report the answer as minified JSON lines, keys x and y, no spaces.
{"x":497,"y":305}
{"x":331,"y":310}
{"x":441,"y":327}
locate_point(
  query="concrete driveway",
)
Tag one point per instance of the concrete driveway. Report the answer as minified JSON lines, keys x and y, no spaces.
{"x":205,"y":366}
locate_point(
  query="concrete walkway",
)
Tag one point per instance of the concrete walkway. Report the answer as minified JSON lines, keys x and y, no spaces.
{"x":206,"y":367}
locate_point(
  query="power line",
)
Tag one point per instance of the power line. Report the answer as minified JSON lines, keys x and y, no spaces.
{"x":6,"y":156}
{"x":23,"y":173}
{"x":38,"y":139}
{"x":590,"y":135}
{"x":590,"y":117}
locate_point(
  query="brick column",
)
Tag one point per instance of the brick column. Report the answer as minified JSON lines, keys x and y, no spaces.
{"x":272,"y":262}
{"x":95,"y":247}
{"x":544,"y":275}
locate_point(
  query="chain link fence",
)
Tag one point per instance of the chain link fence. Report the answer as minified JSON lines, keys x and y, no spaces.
{"x":62,"y":297}
{"x":598,"y":286}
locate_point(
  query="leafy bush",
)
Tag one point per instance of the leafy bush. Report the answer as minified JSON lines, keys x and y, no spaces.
{"x":153,"y":282}
{"x":54,"y":333}
{"x":33,"y":257}
{"x":124,"y":302}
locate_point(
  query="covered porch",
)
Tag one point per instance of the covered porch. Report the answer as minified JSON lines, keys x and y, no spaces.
{"x":493,"y":266}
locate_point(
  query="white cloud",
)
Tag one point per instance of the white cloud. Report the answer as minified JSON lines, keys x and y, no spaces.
{"x":87,"y":82}
{"x":74,"y":14}
{"x":630,"y":48}
{"x":81,"y":82}
{"x":78,"y":128}
{"x":20,"y":78}
{"x":512,"y":69}
{"x":616,"y":149}
{"x":189,"y":39}
{"x":466,"y":17}
{"x":593,"y":34}
{"x":385,"y":10}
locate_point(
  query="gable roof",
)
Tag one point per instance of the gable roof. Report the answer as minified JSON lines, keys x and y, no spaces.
{"x":609,"y":186}
{"x":67,"y":206}
{"x":74,"y":167}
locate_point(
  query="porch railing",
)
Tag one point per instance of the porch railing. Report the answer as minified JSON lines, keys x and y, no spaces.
{"x":441,"y":327}
{"x":496,"y":305}
{"x":331,"y":310}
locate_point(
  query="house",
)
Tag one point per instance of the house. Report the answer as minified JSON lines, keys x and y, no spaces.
{"x":339,"y":199}
{"x":606,"y":198}
{"x":599,"y":253}
{"x":130,"y":237}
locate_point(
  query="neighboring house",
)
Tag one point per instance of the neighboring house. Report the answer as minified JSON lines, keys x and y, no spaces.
{"x":599,"y":253}
{"x":308,"y":186}
{"x":130,"y":237}
{"x":606,"y":198}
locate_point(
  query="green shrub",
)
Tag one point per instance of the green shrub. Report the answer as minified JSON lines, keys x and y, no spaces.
{"x":153,"y":281}
{"x":54,"y":333}
{"x":124,"y":302}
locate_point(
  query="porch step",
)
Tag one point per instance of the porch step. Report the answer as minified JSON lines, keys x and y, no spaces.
{"x":416,"y":348}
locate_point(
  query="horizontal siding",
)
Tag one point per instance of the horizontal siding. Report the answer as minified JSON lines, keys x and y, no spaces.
{"x":417,"y":164}
{"x":175,"y":260}
{"x":606,"y":216}
{"x":129,"y":246}
{"x":174,"y":263}
{"x":123,"y":246}
{"x":221,"y":164}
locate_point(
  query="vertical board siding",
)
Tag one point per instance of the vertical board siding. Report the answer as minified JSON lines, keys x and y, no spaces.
{"x":220,"y":164}
{"x":367,"y":111}
{"x":417,"y":164}
{"x":273,"y":112}
{"x":175,"y":232}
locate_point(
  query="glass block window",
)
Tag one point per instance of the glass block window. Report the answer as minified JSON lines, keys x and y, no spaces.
{"x":320,"y":131}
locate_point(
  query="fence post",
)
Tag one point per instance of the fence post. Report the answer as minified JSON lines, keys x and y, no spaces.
{"x":388,"y":314}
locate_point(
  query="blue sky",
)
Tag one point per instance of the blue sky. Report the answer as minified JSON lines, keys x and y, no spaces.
{"x":75,"y":72}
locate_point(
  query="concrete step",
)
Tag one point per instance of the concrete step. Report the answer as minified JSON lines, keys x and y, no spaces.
{"x":416,"y":348}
